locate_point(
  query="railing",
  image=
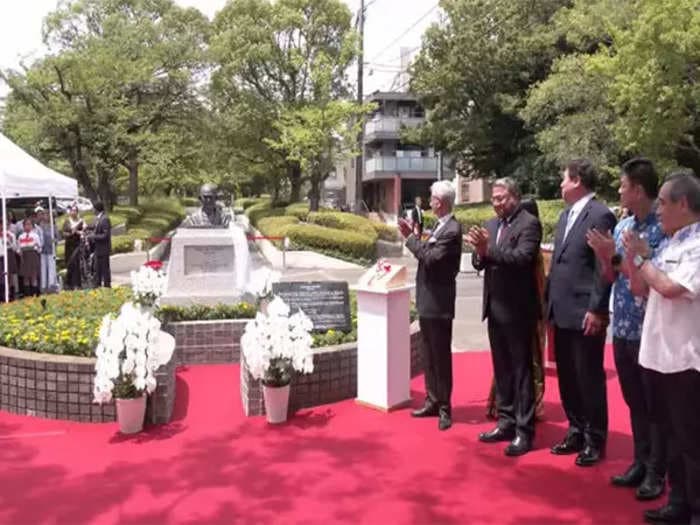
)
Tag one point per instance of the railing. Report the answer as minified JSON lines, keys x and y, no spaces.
{"x":402,"y":164}
{"x":391,"y":124}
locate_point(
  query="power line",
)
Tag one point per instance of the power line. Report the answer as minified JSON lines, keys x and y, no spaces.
{"x":393,"y":42}
{"x":487,"y":18}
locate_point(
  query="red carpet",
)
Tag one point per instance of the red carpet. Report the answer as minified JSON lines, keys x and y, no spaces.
{"x":337,"y":463}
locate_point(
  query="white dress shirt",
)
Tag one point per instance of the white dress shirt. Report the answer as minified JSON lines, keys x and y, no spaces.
{"x":441,"y":222}
{"x":575,"y":211}
{"x":670,"y":335}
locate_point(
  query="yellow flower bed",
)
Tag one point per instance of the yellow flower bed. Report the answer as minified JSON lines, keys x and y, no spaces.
{"x":67,"y":323}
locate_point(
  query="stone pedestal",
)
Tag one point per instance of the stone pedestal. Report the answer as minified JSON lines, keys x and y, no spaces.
{"x":206,"y":266}
{"x":383,"y":347}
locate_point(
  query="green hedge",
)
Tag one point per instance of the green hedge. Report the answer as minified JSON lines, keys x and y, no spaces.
{"x":347,"y":245}
{"x":246,"y":202}
{"x":477,"y":215}
{"x":345,"y":221}
{"x":385,"y":232}
{"x":261,"y":210}
{"x":300,"y":210}
{"x":276,"y":227}
{"x":200,"y":312}
{"x":190,"y":202}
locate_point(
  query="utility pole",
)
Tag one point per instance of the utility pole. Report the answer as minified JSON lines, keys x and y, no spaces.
{"x":359,"y":160}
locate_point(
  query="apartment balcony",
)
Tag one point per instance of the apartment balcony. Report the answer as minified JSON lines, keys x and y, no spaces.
{"x":407,"y":167}
{"x":389,"y":128}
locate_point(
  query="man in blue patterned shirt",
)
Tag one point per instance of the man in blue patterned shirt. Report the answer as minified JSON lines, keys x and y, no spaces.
{"x":638,"y":192}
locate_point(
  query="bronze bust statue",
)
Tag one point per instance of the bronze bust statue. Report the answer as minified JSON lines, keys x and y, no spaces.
{"x":211,"y":214}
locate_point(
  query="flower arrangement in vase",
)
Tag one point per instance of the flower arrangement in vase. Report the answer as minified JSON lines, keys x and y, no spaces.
{"x":275,"y":345}
{"x":128,"y":352}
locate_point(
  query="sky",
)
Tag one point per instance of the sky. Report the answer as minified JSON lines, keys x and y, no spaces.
{"x":390,"y":25}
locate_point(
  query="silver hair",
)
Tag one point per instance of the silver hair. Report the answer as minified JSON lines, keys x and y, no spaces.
{"x":685,"y":184}
{"x":445,"y":191}
{"x":510,"y":186}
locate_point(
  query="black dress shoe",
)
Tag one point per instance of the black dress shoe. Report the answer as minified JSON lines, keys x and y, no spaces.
{"x":496,"y":435}
{"x":570,"y":445}
{"x":428,"y":410}
{"x":589,"y":456}
{"x":632,"y":477}
{"x":651,"y":488}
{"x":519,"y":446}
{"x":444,"y":422}
{"x":671,"y":513}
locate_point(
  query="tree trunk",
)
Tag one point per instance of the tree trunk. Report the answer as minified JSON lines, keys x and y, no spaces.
{"x":133,"y":167}
{"x":315,"y":194}
{"x":688,"y":155}
{"x":81,"y":174}
{"x":104,"y":189}
{"x":294,"y":174}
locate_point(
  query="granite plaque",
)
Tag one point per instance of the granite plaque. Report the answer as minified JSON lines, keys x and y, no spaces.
{"x":327,"y":303}
{"x":208,"y":259}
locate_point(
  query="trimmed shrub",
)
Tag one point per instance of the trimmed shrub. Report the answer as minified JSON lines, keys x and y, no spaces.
{"x":129,"y":212}
{"x":122,"y":244}
{"x":348,"y":245}
{"x":344,"y":221}
{"x":276,"y":227}
{"x":385,"y":232}
{"x":246,"y":202}
{"x":300,"y":210}
{"x":200,"y":312}
{"x":261,"y":210}
{"x":189,"y":202}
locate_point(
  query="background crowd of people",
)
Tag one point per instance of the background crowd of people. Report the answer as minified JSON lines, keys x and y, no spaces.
{"x":31,"y":252}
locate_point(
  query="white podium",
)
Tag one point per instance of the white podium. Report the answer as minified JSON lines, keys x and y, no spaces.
{"x":383,"y":347}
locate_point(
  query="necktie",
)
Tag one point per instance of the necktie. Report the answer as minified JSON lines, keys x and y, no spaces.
{"x":569,"y":222}
{"x":502,"y":225}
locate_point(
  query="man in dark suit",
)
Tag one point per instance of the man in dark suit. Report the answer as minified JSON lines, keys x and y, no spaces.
{"x":417,"y":217}
{"x":102,"y":238}
{"x":507,"y":249}
{"x":578,"y":301}
{"x":436,"y":290}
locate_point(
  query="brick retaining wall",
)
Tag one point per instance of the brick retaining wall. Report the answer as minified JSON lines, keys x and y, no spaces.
{"x":207,"y":342}
{"x":334,"y":378}
{"x":60,"y":387}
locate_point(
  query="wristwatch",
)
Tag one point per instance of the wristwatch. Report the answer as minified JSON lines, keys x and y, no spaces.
{"x":639,"y":261}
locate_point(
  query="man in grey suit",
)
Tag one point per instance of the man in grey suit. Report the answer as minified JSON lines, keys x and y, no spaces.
{"x":436,"y":290}
{"x":578,"y":301}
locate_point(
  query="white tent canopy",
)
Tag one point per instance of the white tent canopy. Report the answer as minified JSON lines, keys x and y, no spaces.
{"x":21,"y":175}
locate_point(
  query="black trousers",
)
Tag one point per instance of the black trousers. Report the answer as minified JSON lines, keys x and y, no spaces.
{"x":679,"y":402}
{"x":103,"y":273}
{"x":582,"y":386}
{"x":511,"y":353}
{"x":636,"y":384}
{"x":437,"y":358}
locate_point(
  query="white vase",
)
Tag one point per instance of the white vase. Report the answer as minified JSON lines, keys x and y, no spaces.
{"x":276,"y":403}
{"x":130,"y":414}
